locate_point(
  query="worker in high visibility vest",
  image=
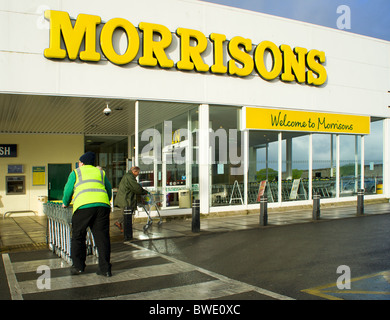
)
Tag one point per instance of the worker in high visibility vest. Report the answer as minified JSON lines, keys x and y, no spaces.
{"x":91,"y":191}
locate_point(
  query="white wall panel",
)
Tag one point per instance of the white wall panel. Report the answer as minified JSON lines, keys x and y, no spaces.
{"x":358,"y":67}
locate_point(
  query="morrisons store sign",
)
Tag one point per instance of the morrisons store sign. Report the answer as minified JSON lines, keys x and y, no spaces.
{"x":289,"y":64}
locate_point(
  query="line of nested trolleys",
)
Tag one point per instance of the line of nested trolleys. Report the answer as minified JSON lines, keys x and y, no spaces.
{"x":58,"y":233}
{"x":222,"y":194}
{"x":59,"y":225}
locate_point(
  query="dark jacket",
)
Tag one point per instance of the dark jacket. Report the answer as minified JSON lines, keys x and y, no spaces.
{"x":128,"y":190}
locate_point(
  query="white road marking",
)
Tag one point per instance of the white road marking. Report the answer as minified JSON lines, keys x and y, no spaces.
{"x":11,"y":278}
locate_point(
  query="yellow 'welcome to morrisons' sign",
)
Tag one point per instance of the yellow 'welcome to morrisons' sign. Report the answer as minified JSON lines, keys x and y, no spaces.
{"x":286,"y":120}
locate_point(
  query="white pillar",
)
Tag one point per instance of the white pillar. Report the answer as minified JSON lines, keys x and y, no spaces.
{"x":386,"y":158}
{"x":289,"y":158}
{"x":356,"y":184}
{"x":337,"y":166}
{"x":310,"y":166}
{"x":189,"y":155}
{"x":246,"y":164}
{"x":130,"y":151}
{"x":362,"y":162}
{"x":203,"y":158}
{"x":331,"y":156}
{"x":136,"y":142}
{"x":280,"y":168}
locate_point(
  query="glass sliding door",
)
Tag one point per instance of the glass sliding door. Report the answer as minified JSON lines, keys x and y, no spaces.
{"x":165,"y":150}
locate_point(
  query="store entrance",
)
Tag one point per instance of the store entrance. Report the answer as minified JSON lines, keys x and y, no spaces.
{"x":111,"y":155}
{"x":176,"y":175}
{"x":167,"y":152}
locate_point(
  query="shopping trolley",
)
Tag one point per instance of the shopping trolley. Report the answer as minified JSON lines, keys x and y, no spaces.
{"x":58,"y":235}
{"x":58,"y":232}
{"x":147,"y":202}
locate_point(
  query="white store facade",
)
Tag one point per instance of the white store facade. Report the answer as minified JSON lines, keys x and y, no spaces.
{"x":211,"y":102}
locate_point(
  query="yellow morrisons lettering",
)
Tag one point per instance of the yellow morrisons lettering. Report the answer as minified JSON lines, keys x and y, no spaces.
{"x":289,"y":64}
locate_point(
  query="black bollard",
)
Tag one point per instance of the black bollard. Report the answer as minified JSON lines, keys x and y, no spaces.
{"x":263,"y":211}
{"x":316,"y":206}
{"x":127,"y":224}
{"x":196,"y":216}
{"x":360,"y":201}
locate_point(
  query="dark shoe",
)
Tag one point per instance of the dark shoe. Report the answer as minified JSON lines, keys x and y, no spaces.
{"x":74,"y":271}
{"x":104,"y":274}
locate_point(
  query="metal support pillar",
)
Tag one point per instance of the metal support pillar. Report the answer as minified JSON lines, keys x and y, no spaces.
{"x":127,"y":224}
{"x":196,"y":216}
{"x":263,"y":211}
{"x":360,"y":202}
{"x":316,"y":206}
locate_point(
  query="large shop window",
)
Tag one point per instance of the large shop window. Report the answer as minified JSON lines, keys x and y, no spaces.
{"x":263,"y":177}
{"x":227,"y":163}
{"x":324,"y":165}
{"x":263,"y":165}
{"x":166,"y":152}
{"x":327,"y":171}
{"x":295,"y":166}
{"x":350,"y":165}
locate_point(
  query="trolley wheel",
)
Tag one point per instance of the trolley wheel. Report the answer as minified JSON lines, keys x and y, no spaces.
{"x":160,"y":223}
{"x":146,"y":226}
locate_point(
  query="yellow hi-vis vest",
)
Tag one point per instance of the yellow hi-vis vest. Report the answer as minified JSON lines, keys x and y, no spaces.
{"x":89,"y":187}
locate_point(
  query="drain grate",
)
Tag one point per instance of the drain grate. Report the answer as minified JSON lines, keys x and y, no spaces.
{"x":24,"y":247}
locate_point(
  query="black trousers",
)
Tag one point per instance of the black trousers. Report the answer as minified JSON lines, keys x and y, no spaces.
{"x":98,"y":220}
